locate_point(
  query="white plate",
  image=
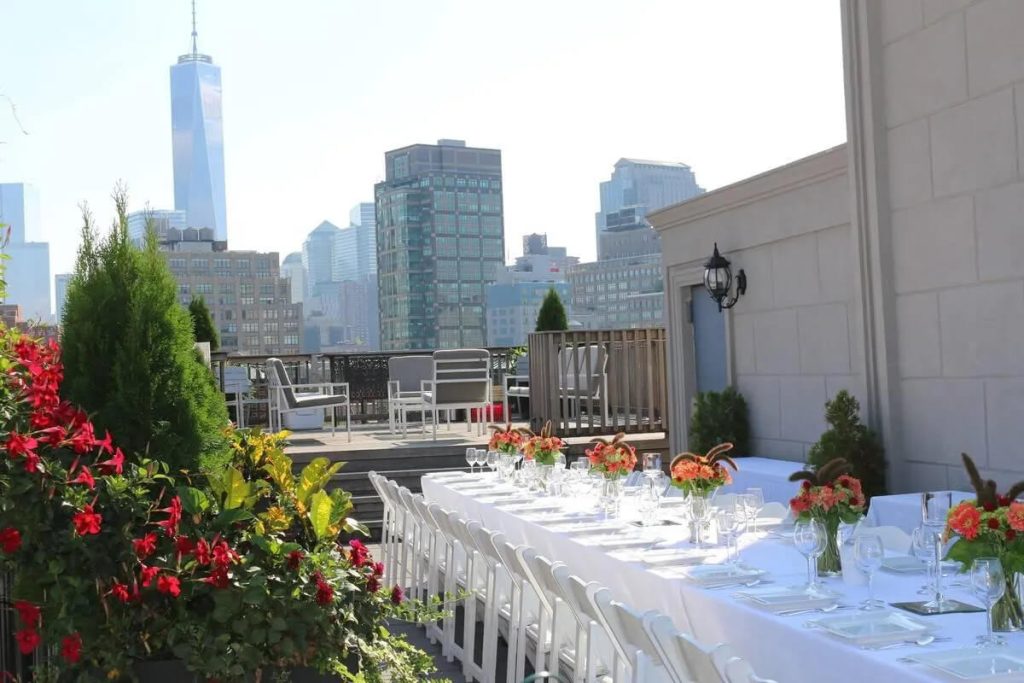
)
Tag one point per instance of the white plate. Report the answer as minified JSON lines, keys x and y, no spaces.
{"x":974,"y":664}
{"x":587,"y":527}
{"x":873,"y":628}
{"x":783,"y":598}
{"x":903,"y":564}
{"x":710,"y":575}
{"x":529,"y":507}
{"x":615,"y":541}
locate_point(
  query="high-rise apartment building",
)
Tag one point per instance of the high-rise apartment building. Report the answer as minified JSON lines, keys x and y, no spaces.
{"x":293,"y":269}
{"x":197,"y":139}
{"x":60,"y":294}
{"x":162,"y":220}
{"x":28,"y":267}
{"x":618,"y":293}
{"x":440,"y":240}
{"x":318,"y":258}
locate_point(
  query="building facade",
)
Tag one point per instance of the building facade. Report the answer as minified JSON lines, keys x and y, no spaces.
{"x":293,"y":269}
{"x":624,"y":293}
{"x":248,"y":298}
{"x":892,"y":266}
{"x":440,"y":240}
{"x":197,"y":141}
{"x":28,"y":267}
{"x":318,"y":258}
{"x":162,"y":220}
{"x":60,"y":294}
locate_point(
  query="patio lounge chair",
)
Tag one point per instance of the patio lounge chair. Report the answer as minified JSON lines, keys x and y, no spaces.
{"x":461,"y":380}
{"x":582,"y":379}
{"x":284,"y":397}
{"x":406,"y":375}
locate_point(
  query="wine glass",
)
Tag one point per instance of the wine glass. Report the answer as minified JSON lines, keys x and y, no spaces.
{"x":754,"y":498}
{"x":988,"y":583}
{"x":729,"y":520}
{"x":809,"y":539}
{"x":648,"y":502}
{"x":652,"y":464}
{"x":923,"y":546}
{"x":560,"y":461}
{"x":935,"y":507}
{"x":471,"y":458}
{"x":868,"y":552}
{"x":491,"y":458}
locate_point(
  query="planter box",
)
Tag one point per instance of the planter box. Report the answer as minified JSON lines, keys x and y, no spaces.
{"x":311,"y":418}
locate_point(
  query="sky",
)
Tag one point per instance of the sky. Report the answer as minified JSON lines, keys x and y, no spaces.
{"x":315,"y":91}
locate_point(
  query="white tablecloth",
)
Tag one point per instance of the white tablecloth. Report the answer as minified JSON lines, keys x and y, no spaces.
{"x":778,"y":647}
{"x":768,"y":474}
{"x":903,"y":509}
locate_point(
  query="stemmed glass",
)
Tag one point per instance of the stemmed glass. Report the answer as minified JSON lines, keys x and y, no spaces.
{"x":754,"y":499}
{"x":809,"y":539}
{"x":923,"y":545}
{"x":491,"y":458}
{"x":729,"y":522}
{"x":471,"y":458}
{"x":648,"y":502}
{"x":989,"y":583}
{"x":868,"y":552}
{"x":652,"y":464}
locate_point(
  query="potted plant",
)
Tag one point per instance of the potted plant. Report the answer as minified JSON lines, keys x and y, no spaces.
{"x":720,"y":417}
{"x":852,"y":441}
{"x":830,"y":495}
{"x":701,"y":476}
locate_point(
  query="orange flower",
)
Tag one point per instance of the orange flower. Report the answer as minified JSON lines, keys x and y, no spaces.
{"x":1015,"y":516}
{"x":965,"y":520}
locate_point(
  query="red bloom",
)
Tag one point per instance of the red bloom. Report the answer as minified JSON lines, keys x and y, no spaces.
{"x":378,"y":569}
{"x":184,"y":545}
{"x":397,"y":594}
{"x":147,"y":574}
{"x":85,"y":477}
{"x":223,"y":555}
{"x":806,"y":485}
{"x":993,"y":523}
{"x":84,"y":438}
{"x":295,"y":558}
{"x":120,"y":591}
{"x":115,"y":465}
{"x":71,"y":648}
{"x":170,"y":525}
{"x":218,"y":578}
{"x":31,"y":616}
{"x":202,"y":552}
{"x":20,"y":444}
{"x":358,"y":553}
{"x":324,"y":593}
{"x":1004,"y":501}
{"x":105,"y":444}
{"x":372,"y":584}
{"x":1010,"y":534}
{"x":32,"y":463}
{"x":87,"y":522}
{"x":145,"y":546}
{"x":28,"y":640}
{"x":54,"y":435}
{"x":10,"y":540}
{"x":989,"y":506}
{"x":169,"y":585}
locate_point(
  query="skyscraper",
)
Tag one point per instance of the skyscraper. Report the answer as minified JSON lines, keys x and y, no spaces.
{"x":60,"y":293}
{"x":28,"y":270}
{"x":293,"y":269}
{"x":163,"y":221}
{"x":440,"y":240}
{"x":636,"y":188}
{"x":355,"y":249}
{"x":318,"y":258}
{"x":197,"y":137}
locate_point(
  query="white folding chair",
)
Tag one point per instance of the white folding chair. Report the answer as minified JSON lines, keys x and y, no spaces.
{"x":626,"y":627}
{"x":566,"y":646}
{"x":449,"y":576}
{"x":738,"y":670}
{"x":475,"y":592}
{"x":546,"y":614}
{"x":522,"y":610}
{"x":593,"y":648}
{"x":688,"y":658}
{"x":894,"y":539}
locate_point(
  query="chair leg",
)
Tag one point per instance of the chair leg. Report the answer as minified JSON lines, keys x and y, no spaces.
{"x":434,"y":423}
{"x":348,"y":420}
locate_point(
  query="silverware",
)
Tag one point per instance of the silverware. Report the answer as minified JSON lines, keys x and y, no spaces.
{"x":809,"y":610}
{"x":922,"y":641}
{"x":740,"y":584}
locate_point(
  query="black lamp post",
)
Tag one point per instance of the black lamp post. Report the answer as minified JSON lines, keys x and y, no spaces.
{"x":718,"y":280}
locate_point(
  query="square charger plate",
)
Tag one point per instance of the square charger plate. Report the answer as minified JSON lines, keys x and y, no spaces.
{"x":903,"y":564}
{"x":783,"y":598}
{"x":976,"y":664}
{"x":712,"y":575}
{"x":528,"y":507}
{"x":678,"y":556}
{"x":873,"y":628}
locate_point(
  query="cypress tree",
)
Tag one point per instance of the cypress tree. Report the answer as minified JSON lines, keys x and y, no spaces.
{"x":551,"y":317}
{"x":129,"y":356}
{"x":202,"y":323}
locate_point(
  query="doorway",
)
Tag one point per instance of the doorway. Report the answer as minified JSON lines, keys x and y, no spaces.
{"x":708,"y":341}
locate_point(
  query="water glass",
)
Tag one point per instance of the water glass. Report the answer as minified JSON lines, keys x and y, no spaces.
{"x":935,"y":507}
{"x":648,"y":503}
{"x":652,"y":464}
{"x":492,"y":460}
{"x":730,"y":521}
{"x":868,"y":552}
{"x":529,"y":472}
{"x":754,"y":498}
{"x":809,"y":537}
{"x":923,"y":542}
{"x":988,"y":581}
{"x":471,"y":458}
{"x":700,"y":514}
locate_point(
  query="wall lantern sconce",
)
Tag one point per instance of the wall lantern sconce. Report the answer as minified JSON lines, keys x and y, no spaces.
{"x":718,"y":280}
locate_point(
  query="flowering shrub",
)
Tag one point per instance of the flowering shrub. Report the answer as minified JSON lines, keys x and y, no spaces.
{"x":115,"y":561}
{"x":505,"y":440}
{"x":613,"y":458}
{"x":543,"y":447}
{"x":702,"y":473}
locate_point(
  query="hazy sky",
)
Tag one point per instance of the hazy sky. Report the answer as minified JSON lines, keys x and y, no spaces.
{"x":316,"y":90}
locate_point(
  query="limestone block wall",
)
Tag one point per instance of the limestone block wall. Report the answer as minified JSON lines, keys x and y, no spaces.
{"x":952,"y":84}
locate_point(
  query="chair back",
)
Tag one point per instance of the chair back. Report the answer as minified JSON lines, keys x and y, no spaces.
{"x":410,"y":371}
{"x":462,"y":376}
{"x":738,"y":670}
{"x":600,"y":599}
{"x":585,"y":367}
{"x":627,"y":627}
{"x":680,"y":648}
{"x":893,"y":538}
{"x":523,"y":365}
{"x":661,"y":631}
{"x":278,"y":378}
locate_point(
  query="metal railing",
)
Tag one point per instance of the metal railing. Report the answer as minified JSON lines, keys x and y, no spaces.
{"x":599,"y":381}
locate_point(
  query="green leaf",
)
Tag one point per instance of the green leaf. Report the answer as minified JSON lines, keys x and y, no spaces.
{"x":315,"y":476}
{"x":320,"y":513}
{"x":236,"y":489}
{"x":193,"y":501}
{"x":279,"y":467}
{"x":229,"y":517}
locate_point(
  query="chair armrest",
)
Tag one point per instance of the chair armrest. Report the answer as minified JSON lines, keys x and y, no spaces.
{"x":393,"y":389}
{"x":517,"y":378}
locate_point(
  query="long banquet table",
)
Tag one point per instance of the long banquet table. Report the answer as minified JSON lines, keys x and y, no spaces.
{"x":778,"y":647}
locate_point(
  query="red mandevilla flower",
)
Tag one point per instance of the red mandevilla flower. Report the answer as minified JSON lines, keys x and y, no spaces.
{"x":71,"y":648}
{"x":397,"y":594}
{"x":10,"y":540}
{"x":184,"y":545}
{"x":169,"y":585}
{"x":120,"y":591}
{"x":28,"y":640}
{"x":87,"y":522}
{"x":147,"y":574}
{"x":85,"y":477}
{"x":115,"y":465}
{"x":145,"y":546}
{"x":31,"y":616}
{"x":223,"y":555}
{"x":84,"y":438}
{"x":105,"y":444}
{"x":170,"y":525}
{"x":202,"y":552}
{"x":20,"y":444}
{"x":295,"y":558}
{"x":218,"y":578}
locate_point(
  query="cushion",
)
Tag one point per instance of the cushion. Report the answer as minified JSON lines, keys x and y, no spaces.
{"x":321,"y":400}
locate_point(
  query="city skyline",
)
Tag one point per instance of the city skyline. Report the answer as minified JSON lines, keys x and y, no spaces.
{"x":312,"y":148}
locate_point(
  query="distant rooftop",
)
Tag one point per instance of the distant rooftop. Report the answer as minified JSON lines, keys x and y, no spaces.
{"x":650,"y":162}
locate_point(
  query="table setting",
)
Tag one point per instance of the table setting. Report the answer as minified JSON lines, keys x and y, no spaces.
{"x":815,"y":585}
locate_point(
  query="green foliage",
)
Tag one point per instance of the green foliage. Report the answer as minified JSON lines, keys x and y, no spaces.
{"x":129,"y":352}
{"x":720,"y":417}
{"x":847,"y":438}
{"x":551,"y":316}
{"x":202,"y":323}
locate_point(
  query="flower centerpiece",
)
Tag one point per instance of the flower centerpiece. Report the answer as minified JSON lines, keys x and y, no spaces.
{"x":702,"y":475}
{"x":505,"y":439}
{"x":831,"y":496}
{"x":543,"y":447}
{"x":613,"y":458}
{"x":992,"y":525}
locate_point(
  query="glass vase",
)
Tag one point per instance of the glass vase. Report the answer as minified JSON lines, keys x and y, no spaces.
{"x":1007,"y":614}
{"x":700,"y":516}
{"x":610,"y":496}
{"x":830,"y":561}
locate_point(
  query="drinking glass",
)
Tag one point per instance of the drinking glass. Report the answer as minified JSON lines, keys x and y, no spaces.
{"x":809,"y":538}
{"x":481,"y":457}
{"x":652,"y":464}
{"x":700,"y":514}
{"x":529,"y":472}
{"x":560,"y":461}
{"x":755,"y":501}
{"x":868,"y":552}
{"x":648,"y":502}
{"x":923,"y":546}
{"x":471,"y":458}
{"x":730,"y":520}
{"x":491,"y":458}
{"x":935,"y":507}
{"x":988,"y":583}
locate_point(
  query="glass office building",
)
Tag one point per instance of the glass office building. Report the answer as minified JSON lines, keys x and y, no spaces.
{"x":440,"y":241}
{"x":197,"y":136}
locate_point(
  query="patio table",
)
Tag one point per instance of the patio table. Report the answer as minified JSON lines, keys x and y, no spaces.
{"x":903,"y":509}
{"x":768,"y":474}
{"x":778,"y":647}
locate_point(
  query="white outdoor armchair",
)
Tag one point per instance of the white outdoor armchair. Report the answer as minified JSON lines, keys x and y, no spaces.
{"x":286,"y":397}
{"x":461,"y":381}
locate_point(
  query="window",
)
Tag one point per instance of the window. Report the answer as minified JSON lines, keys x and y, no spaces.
{"x":469,"y":225}
{"x":243,"y":264}
{"x":228,"y":314}
{"x":200,"y":265}
{"x":247,"y":288}
{"x":176,"y":263}
{"x":204,"y":288}
{"x":468,"y":202}
{"x":469,"y":246}
{"x":229,"y":328}
{"x":491,"y":226}
{"x":248,"y":301}
{"x":226,"y":299}
{"x":270,"y":339}
{"x":270,"y":314}
{"x":447,"y":269}
{"x":291,"y":339}
{"x":183,"y":289}
{"x":250,"y":327}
